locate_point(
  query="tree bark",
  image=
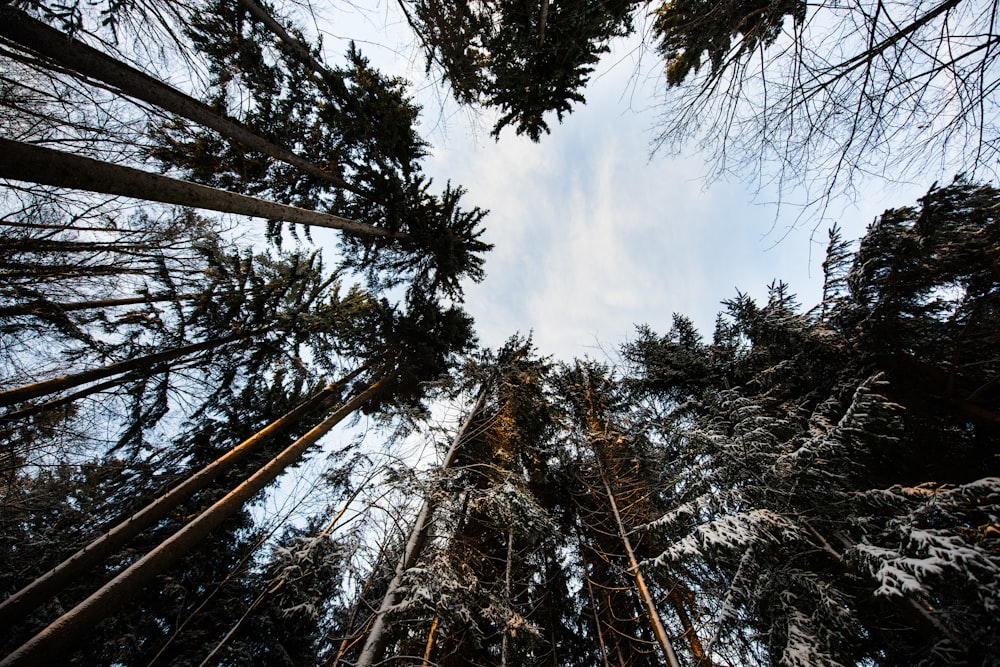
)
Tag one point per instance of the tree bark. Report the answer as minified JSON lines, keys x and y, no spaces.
{"x":39,"y":306}
{"x":640,"y":582}
{"x":505,"y":637}
{"x":429,"y":646}
{"x":265,"y":19}
{"x":28,"y":598}
{"x":375,"y":643}
{"x":62,"y":49}
{"x":51,"y":642}
{"x":30,"y":391}
{"x":39,"y":408}
{"x":46,"y":166}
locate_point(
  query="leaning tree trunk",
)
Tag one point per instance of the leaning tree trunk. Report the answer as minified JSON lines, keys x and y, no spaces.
{"x":70,"y":53}
{"x":18,"y":605}
{"x":640,"y":582}
{"x":37,"y":389}
{"x":53,"y":640}
{"x":40,"y":306}
{"x":46,"y":166}
{"x":375,"y":642}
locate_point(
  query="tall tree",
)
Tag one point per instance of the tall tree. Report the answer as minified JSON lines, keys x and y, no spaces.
{"x":809,"y":451}
{"x":753,"y":80}
{"x":523,"y":59}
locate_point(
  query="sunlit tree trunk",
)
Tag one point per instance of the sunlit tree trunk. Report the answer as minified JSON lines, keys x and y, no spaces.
{"x":429,"y":647}
{"x":52,"y":641}
{"x":23,"y":601}
{"x":640,"y":582}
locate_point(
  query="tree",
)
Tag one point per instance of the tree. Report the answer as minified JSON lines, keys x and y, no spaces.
{"x":521,"y":59}
{"x":811,"y":448}
{"x":914,"y":80}
{"x":349,"y":121}
{"x":612,"y":491}
{"x":45,"y":166}
{"x":820,"y":94}
{"x":70,"y":625}
{"x":50,"y":43}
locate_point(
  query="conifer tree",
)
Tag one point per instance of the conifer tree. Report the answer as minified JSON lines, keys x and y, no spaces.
{"x":811,"y":448}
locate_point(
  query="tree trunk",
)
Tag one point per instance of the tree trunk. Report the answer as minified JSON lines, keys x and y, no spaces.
{"x":640,"y":582}
{"x":39,"y":306}
{"x":429,"y":647}
{"x":44,"y":40}
{"x":265,"y":19}
{"x":30,"y":391}
{"x":28,"y":598}
{"x":680,"y":604}
{"x":51,"y":642}
{"x":39,"y":408}
{"x":45,"y":166}
{"x":505,"y":637}
{"x":597,"y":617}
{"x":375,"y":642}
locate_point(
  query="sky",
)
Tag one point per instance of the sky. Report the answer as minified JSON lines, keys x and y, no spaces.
{"x":592,"y":234}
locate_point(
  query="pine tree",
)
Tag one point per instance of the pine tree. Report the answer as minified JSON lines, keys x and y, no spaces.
{"x":799,"y":467}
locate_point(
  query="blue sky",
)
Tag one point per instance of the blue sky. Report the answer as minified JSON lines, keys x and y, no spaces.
{"x":592,"y":234}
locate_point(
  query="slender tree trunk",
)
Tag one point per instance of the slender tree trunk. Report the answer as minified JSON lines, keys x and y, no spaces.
{"x":429,"y":647}
{"x":51,"y":642}
{"x":30,"y":391}
{"x":701,"y":659}
{"x":505,"y":637}
{"x":640,"y":582}
{"x":44,"y":40}
{"x":24,"y":413}
{"x":40,"y":307}
{"x":265,"y":19}
{"x":45,"y":166}
{"x":351,"y":638}
{"x":597,"y":618}
{"x":28,"y":598}
{"x":375,"y":642}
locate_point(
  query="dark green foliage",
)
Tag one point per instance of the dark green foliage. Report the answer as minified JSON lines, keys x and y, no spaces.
{"x":353,"y":122}
{"x":523,"y":59}
{"x":690,"y":30}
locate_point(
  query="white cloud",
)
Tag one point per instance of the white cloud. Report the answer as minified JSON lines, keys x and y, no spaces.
{"x":592,"y":237}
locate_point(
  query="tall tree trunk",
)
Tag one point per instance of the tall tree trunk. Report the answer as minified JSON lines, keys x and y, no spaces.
{"x":300,"y":49}
{"x":375,"y":642}
{"x":30,"y":391}
{"x":67,"y":52}
{"x":640,"y":582}
{"x":680,"y":604}
{"x":597,"y":617}
{"x":505,"y":637}
{"x":24,"y":413}
{"x":40,"y":306}
{"x":52,"y":641}
{"x":46,"y":166}
{"x":28,"y":598}
{"x":429,"y":646}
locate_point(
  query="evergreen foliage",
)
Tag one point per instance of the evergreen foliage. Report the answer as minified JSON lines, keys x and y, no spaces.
{"x":810,"y":487}
{"x":523,"y":59}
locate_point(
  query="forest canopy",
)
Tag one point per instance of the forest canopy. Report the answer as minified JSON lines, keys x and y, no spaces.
{"x":226,"y":449}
